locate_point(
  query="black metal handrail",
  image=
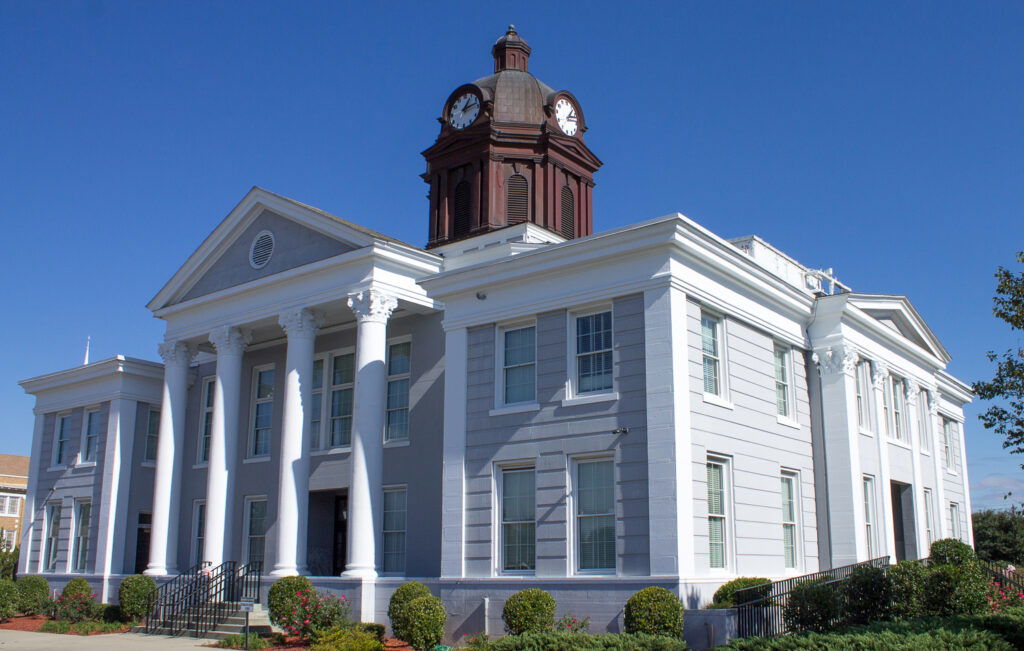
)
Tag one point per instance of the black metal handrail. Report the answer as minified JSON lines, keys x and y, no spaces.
{"x":1003,"y":576}
{"x":225,"y":588}
{"x":169,"y":596}
{"x":763,"y":611}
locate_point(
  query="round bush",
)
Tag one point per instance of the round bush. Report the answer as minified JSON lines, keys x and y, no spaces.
{"x":907,"y":582}
{"x":868,"y":595}
{"x":77,"y":586}
{"x":950,"y":551}
{"x":347,"y":639}
{"x":813,"y":605}
{"x":421,"y":622}
{"x":725,"y":596}
{"x":136,"y":596}
{"x":955,"y":590}
{"x":655,"y":611}
{"x":403,"y":595}
{"x":33,"y":593}
{"x":529,"y":610}
{"x":8,"y":599}
{"x":284,"y":596}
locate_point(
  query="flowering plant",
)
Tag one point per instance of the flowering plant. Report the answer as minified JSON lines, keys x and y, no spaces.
{"x":312,"y":611}
{"x":570,"y":624}
{"x":1003,"y":596}
{"x":75,"y":607}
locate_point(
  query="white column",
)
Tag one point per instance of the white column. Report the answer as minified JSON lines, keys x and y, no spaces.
{"x":940,"y":506}
{"x":230,"y":343}
{"x":913,"y":391}
{"x":31,"y":512}
{"x":293,"y":496}
{"x":453,"y":489}
{"x":969,"y":527}
{"x":365,"y":496}
{"x":112,"y":510}
{"x":883,"y":485}
{"x":163,"y":548}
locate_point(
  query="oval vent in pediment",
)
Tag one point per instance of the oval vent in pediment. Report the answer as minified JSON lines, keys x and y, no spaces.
{"x":261,"y":250}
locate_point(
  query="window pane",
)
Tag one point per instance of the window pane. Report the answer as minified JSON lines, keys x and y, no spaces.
{"x":780,"y":365}
{"x":595,"y":372}
{"x":711,"y":376}
{"x":520,"y":384}
{"x":597,"y":542}
{"x":398,"y":394}
{"x":594,"y":332}
{"x":343,"y":370}
{"x":789,"y":544}
{"x":520,"y":346}
{"x":398,"y":425}
{"x":394,"y":510}
{"x":518,"y":495}
{"x":398,"y":358}
{"x":318,"y":374}
{"x":716,"y":502}
{"x":716,"y":536}
{"x":394,"y":526}
{"x":394,"y":551}
{"x":596,"y":489}
{"x":520,"y":547}
{"x":709,"y":335}
{"x":265,"y":384}
{"x":788,"y":505}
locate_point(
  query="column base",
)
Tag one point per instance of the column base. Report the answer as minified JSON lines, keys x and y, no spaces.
{"x":356,"y":572}
{"x":290,"y":570}
{"x":159,"y":571}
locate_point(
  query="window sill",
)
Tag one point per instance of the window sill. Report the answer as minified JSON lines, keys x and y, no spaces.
{"x":591,"y":399}
{"x":867,"y":432}
{"x":525,"y":574}
{"x":598,"y":573}
{"x":339,"y":450}
{"x":900,"y":444}
{"x":201,"y":466}
{"x":85,"y":464}
{"x":56,"y":468}
{"x":719,"y":401}
{"x":260,"y":459}
{"x":787,"y":422}
{"x":926,"y":453}
{"x":148,"y":464}
{"x":404,"y":443}
{"x":517,"y":408}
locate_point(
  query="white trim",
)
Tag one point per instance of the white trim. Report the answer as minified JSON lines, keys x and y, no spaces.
{"x":572,"y":377}
{"x":523,"y":407}
{"x":395,"y":488}
{"x":591,"y":399}
{"x":397,"y":377}
{"x":728,"y":514}
{"x":246,"y":513}
{"x":798,"y":547}
{"x":870,"y":499}
{"x":498,"y":478}
{"x":206,"y":389}
{"x":83,"y":443}
{"x":500,"y":405}
{"x":254,"y":400}
{"x":723,"y":397}
{"x":326,"y":390}
{"x":572,"y":530}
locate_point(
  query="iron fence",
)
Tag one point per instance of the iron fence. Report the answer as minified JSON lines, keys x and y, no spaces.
{"x":172,"y":595}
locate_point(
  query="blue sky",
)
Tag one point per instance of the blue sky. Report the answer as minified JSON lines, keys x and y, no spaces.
{"x":882,"y":139}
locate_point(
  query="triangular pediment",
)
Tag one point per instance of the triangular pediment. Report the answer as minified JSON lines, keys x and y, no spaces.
{"x":298,"y":235}
{"x":899,"y":315}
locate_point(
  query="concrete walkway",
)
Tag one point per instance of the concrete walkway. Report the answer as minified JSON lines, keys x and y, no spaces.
{"x":11,"y":640}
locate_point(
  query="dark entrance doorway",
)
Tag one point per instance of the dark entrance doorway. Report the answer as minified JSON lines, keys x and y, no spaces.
{"x":142,"y":538}
{"x":340,"y":549}
{"x":327,"y":532}
{"x":903,"y":525}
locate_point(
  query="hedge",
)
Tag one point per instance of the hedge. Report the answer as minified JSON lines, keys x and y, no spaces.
{"x":725,"y":595}
{"x":33,"y":594}
{"x":550,"y":640}
{"x":814,"y":605}
{"x":529,"y":611}
{"x":955,"y":590}
{"x":8,"y":599}
{"x":878,"y":641}
{"x":347,"y":639}
{"x":868,"y":595}
{"x":654,"y":611}
{"x":136,"y":595}
{"x":907,"y":579}
{"x":950,"y":551}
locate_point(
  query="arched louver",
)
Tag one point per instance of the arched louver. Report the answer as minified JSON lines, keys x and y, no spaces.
{"x":518,"y":199}
{"x":568,"y":213}
{"x":463,"y":209}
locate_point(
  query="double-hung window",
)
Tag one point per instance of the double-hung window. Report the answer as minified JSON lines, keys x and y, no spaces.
{"x":924,"y":422}
{"x":710,"y":335}
{"x":61,"y":440}
{"x":263,"y":378}
{"x":395,"y":509}
{"x":947,"y":444}
{"x":595,"y":515}
{"x":863,"y":375}
{"x":399,"y":363}
{"x":869,"y":514}
{"x":206,"y":422}
{"x":519,"y":365}
{"x":91,"y":435}
{"x":255,"y":530}
{"x":152,"y":434}
{"x":83,"y":518}
{"x":929,"y":518}
{"x":594,"y":353}
{"x":52,"y":537}
{"x":789,"y":519}
{"x":518,"y":519}
{"x":782,"y":381}
{"x":316,"y":402}
{"x":342,"y":383}
{"x":898,"y":401}
{"x":198,"y":531}
{"x":954,"y":520}
{"x":718,"y":514}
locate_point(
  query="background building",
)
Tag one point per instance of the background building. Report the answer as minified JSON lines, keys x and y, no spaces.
{"x":13,"y":486}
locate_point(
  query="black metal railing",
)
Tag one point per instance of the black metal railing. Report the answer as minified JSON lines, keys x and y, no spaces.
{"x":225,"y":589}
{"x":760,"y":609}
{"x":171,"y":597}
{"x":1003,"y":576}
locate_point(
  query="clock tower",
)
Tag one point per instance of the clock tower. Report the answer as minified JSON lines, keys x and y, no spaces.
{"x":510,"y":151}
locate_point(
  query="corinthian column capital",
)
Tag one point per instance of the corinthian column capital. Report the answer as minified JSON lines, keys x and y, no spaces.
{"x":913,"y":390}
{"x":300,"y":322}
{"x":372,"y":305}
{"x":879,"y":374}
{"x":230,"y":340}
{"x":835,"y":359}
{"x":176,"y":353}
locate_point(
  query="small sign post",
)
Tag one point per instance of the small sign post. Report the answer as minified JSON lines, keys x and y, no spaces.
{"x":246,"y":604}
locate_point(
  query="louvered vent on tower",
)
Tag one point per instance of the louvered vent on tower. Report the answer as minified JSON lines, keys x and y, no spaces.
{"x":568,"y":213}
{"x":518,"y":199}
{"x":463,"y":209}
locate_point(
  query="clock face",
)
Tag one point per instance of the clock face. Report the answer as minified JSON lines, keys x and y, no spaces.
{"x":565,"y":114}
{"x":464,"y":111}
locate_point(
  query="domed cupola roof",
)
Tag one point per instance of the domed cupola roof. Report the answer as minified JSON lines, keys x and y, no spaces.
{"x":515,"y":95}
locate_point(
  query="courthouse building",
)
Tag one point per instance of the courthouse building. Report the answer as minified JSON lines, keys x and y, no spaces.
{"x":521,"y":402}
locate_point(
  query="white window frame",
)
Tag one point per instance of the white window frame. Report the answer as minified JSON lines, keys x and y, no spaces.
{"x":206,"y":398}
{"x":51,"y":537}
{"x":198,"y":540}
{"x":724,"y":397}
{"x":924,"y":424}
{"x":9,"y":539}
{"x":573,"y":393}
{"x":79,"y":542}
{"x":500,"y":366}
{"x":499,"y":493}
{"x":865,"y":395}
{"x":955,"y":530}
{"x":9,"y":504}
{"x":896,"y":416}
{"x":574,"y":533}
{"x":59,"y":454}
{"x":327,"y":388}
{"x":929,"y":516}
{"x":727,"y":515}
{"x":870,"y":515}
{"x":83,"y":455}
{"x":792,"y":476}
{"x":155,"y":436}
{"x":948,"y":445}
{"x":246,"y":521}
{"x":397,"y":488}
{"x":398,"y":377}
{"x":254,"y":401}
{"x":786,"y":383}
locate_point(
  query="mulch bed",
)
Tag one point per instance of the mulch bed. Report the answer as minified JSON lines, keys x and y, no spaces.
{"x":24,"y":623}
{"x":390,"y":643}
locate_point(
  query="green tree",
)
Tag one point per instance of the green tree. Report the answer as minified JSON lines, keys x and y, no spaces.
{"x":1007,"y":417}
{"x":999,"y":535}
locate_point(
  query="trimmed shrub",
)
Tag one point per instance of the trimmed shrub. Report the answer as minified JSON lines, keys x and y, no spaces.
{"x":373,"y":628}
{"x":33,"y":593}
{"x":238,"y":642}
{"x":725,"y":596}
{"x":907,"y":582}
{"x":403,"y":595}
{"x":654,"y":611}
{"x":420,"y":623}
{"x":551,"y":640}
{"x":868,"y":596}
{"x":955,"y":590}
{"x":950,"y":551}
{"x":76,"y":606}
{"x":8,"y":599}
{"x":814,"y":605}
{"x":881,"y":641}
{"x":110,"y":613}
{"x":1008,"y":625}
{"x":9,"y":564}
{"x":136,"y":595}
{"x":77,"y":586}
{"x":347,"y":639}
{"x":530,"y":610}
{"x":284,"y":596}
